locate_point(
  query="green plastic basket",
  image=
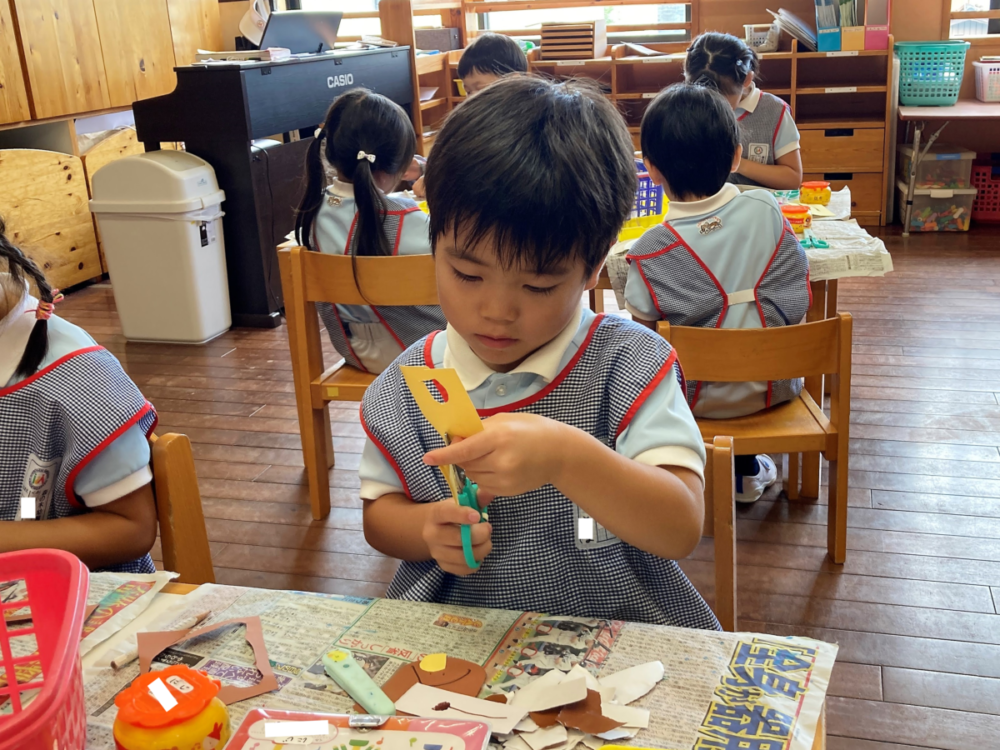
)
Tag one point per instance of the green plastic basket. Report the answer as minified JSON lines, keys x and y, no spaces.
{"x":930,"y":73}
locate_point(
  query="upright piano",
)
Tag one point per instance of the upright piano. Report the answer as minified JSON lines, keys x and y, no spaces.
{"x":230,"y":114}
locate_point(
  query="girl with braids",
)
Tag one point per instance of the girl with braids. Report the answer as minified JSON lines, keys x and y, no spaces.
{"x":74,"y":460}
{"x":770,"y":139}
{"x":370,"y":142}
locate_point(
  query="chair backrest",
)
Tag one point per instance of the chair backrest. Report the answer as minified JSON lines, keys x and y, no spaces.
{"x":734,"y":355}
{"x":390,"y":281}
{"x":178,"y":506}
{"x":720,"y":523}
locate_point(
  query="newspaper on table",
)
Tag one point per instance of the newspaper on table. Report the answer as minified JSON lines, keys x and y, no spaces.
{"x":720,"y":689}
{"x":852,"y":252}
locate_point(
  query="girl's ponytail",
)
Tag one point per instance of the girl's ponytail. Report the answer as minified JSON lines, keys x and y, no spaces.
{"x":312,"y":197}
{"x":721,"y":61}
{"x":20,"y":268}
{"x":371,"y":210}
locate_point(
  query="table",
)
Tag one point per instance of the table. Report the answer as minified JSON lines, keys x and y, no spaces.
{"x":966,"y":109}
{"x":299,"y":627}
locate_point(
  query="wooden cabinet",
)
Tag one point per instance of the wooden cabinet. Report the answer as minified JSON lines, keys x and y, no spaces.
{"x":194,"y":25}
{"x":13,"y":94}
{"x":62,"y":56}
{"x":138,"y":51}
{"x":843,"y":149}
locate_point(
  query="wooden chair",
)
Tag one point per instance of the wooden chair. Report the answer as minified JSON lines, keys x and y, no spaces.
{"x":307,"y":278}
{"x":798,"y":426}
{"x":178,"y":506}
{"x":720,"y":523}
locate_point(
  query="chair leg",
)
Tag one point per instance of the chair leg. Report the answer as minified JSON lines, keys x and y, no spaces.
{"x":837,"y":511}
{"x":792,"y":492}
{"x":810,"y":475}
{"x":317,"y":455}
{"x":724,"y":532}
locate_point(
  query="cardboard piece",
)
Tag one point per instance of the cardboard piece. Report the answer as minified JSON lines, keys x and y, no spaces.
{"x":633,"y":718}
{"x":621,"y":733}
{"x":633,"y":683}
{"x":431,"y":702}
{"x":526,"y":725}
{"x":545,"y":719}
{"x":151,"y":644}
{"x":516,"y":743}
{"x":586,"y":715}
{"x":541,"y":739}
{"x":594,"y":743}
{"x":551,"y":690}
{"x":496,"y":698}
{"x":458,"y":676}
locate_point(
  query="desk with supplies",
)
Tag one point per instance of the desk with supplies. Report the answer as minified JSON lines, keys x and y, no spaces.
{"x":719,"y":689}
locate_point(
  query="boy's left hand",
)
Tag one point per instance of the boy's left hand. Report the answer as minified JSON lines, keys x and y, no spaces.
{"x":514,"y":454}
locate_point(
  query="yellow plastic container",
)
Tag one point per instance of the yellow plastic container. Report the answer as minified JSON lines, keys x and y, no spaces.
{"x":816,"y":192}
{"x":198,"y":720}
{"x":798,"y":216}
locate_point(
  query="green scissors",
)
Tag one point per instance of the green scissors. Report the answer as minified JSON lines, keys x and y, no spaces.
{"x":468,"y":497}
{"x":811,"y":241}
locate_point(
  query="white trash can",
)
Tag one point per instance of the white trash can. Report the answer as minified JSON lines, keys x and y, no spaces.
{"x":160,"y":218}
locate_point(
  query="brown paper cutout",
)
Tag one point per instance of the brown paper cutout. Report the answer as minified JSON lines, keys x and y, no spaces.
{"x":152,"y":644}
{"x":586,"y":716}
{"x":458,"y":676}
{"x":496,"y":698}
{"x":545,"y":719}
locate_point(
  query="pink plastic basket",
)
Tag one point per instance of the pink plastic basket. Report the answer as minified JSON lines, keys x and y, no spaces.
{"x":986,"y":179}
{"x":48,"y":679}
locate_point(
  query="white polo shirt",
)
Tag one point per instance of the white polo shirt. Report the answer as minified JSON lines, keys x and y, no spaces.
{"x":662,"y":432}
{"x":123,"y":466}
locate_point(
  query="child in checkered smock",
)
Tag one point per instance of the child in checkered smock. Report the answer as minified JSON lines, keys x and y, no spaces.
{"x":74,"y":456}
{"x":722,"y":258}
{"x":370,"y":142}
{"x":767,"y":132}
{"x":590,"y":461}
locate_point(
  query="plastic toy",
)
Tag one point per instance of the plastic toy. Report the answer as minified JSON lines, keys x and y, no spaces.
{"x":176,"y":707}
{"x":953,"y":219}
{"x":817,"y":191}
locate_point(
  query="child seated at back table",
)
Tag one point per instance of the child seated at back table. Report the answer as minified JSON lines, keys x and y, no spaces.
{"x":585,"y":417}
{"x":369,"y":140}
{"x":74,"y":456}
{"x":722,"y":258}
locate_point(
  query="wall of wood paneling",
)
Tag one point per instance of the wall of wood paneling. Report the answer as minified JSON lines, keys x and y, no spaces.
{"x":13,"y":94}
{"x":138,"y":51}
{"x":62,"y":56}
{"x":195,"y":25}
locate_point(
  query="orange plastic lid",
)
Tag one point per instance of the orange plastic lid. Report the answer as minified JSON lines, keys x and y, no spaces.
{"x":816,"y":185}
{"x":794,"y":209}
{"x":193,"y":691}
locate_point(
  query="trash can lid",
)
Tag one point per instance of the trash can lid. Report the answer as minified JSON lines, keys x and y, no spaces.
{"x":155,"y":182}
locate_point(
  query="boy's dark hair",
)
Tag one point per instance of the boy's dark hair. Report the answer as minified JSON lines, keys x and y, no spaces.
{"x":493,"y":53}
{"x":358,"y":120}
{"x":690,"y":134}
{"x":720,"y":61}
{"x":544,"y":169}
{"x":21,"y":268}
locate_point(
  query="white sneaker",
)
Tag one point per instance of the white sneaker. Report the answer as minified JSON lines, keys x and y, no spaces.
{"x":749,"y":489}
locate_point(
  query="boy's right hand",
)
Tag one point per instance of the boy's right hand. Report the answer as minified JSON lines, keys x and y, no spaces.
{"x":443,"y":535}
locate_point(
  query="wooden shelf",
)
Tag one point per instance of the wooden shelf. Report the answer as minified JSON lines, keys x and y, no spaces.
{"x":830,"y":123}
{"x":433,"y":103}
{"x":633,"y":95}
{"x":571,"y":63}
{"x":839,"y":90}
{"x":853,"y":53}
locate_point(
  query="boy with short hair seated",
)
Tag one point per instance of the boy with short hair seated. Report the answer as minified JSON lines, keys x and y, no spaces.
{"x":488,"y":58}
{"x":722,"y":259}
{"x":585,"y":417}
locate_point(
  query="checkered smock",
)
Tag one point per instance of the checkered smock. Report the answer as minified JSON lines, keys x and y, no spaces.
{"x":765,"y":132}
{"x":63,"y":416}
{"x":335,"y":234}
{"x":538,"y":563}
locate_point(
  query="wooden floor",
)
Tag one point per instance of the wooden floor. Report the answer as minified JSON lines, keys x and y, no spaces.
{"x":915,"y":608}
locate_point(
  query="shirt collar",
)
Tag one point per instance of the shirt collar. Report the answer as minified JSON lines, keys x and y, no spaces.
{"x":687,"y":209}
{"x":341,"y":189}
{"x":544,"y":362}
{"x":15,"y":329}
{"x":749,"y":102}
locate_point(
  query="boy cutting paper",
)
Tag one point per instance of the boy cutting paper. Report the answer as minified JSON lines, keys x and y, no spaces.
{"x":590,"y":460}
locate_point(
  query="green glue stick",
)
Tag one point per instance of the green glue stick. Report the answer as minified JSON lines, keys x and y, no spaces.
{"x":347,"y":673}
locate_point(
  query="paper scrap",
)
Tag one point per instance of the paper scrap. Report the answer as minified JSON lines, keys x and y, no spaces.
{"x":27,"y":508}
{"x":526,"y":724}
{"x":633,"y":683}
{"x":545,"y":738}
{"x":429,"y":702}
{"x":637,"y":718}
{"x":525,"y":694}
{"x":593,"y":742}
{"x":152,"y":644}
{"x":619,"y":733}
{"x":578,"y":671}
{"x":320,"y":728}
{"x":586,"y":715}
{"x":434,"y":662}
{"x":574,"y":738}
{"x":545,"y":719}
{"x":162,"y":694}
{"x":516,"y":743}
{"x":551,"y":690}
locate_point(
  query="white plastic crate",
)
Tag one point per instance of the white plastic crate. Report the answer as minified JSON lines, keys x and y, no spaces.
{"x":987,"y":81}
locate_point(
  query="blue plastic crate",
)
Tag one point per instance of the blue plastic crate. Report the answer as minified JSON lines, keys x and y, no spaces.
{"x":930,"y":73}
{"x":649,"y":197}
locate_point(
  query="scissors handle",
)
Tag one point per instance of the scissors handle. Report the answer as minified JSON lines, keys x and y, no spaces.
{"x":469,"y":498}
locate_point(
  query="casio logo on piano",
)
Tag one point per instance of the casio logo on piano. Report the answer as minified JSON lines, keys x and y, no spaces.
{"x":345,"y":79}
